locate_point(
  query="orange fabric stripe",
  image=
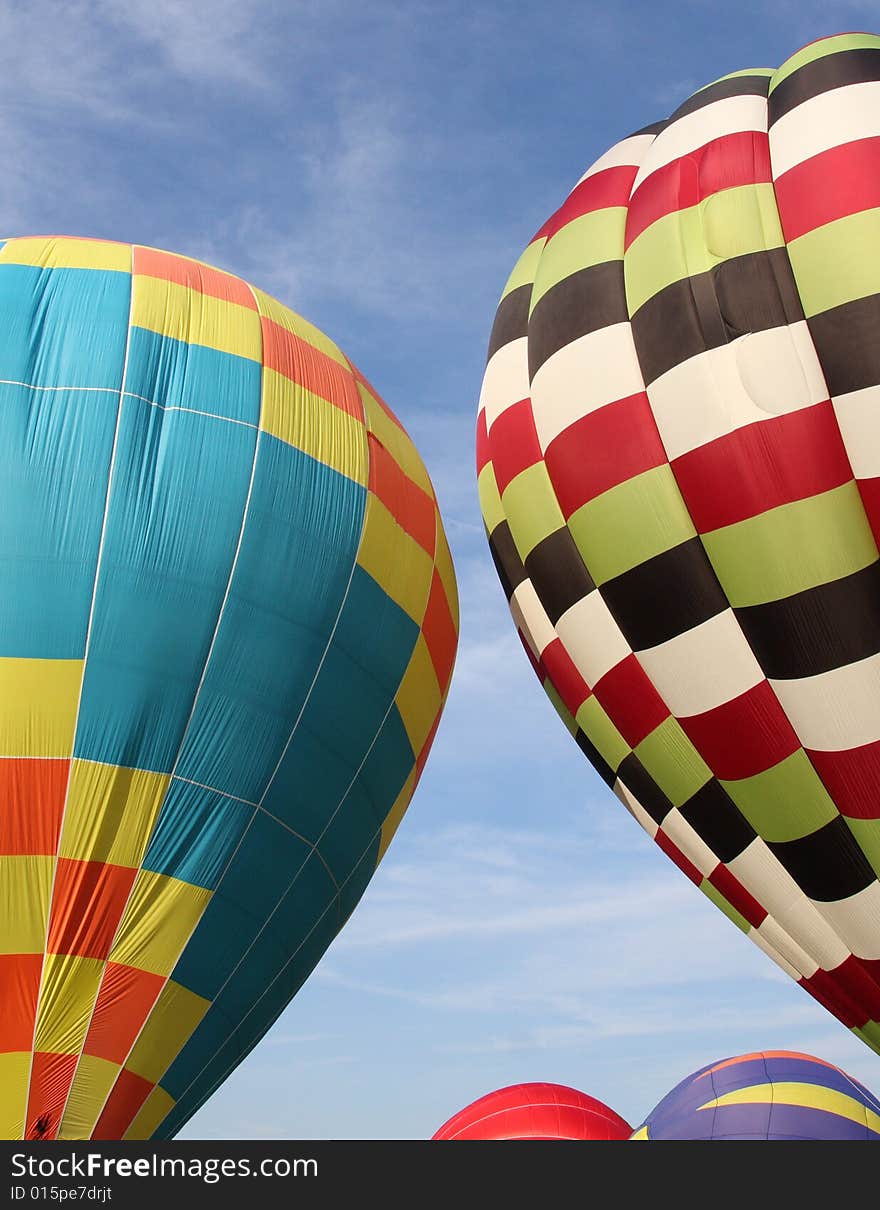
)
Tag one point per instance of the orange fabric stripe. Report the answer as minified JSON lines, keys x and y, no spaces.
{"x":87,"y":905}
{"x":124,"y":1002}
{"x":767,"y":1054}
{"x":150,"y":262}
{"x":129,"y":1093}
{"x":51,"y":1078}
{"x":307,"y":366}
{"x":422,"y":758}
{"x":19,"y":988}
{"x":440,"y":634}
{"x":32,"y":793}
{"x":412,"y":508}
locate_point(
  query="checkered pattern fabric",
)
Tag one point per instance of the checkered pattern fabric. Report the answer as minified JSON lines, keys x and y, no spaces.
{"x":227,"y":629}
{"x":678,"y":464}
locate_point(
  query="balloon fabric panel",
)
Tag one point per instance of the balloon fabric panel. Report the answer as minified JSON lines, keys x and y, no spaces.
{"x":677,"y":471}
{"x":535,"y":1111}
{"x":772,"y":1095}
{"x":220,"y":678}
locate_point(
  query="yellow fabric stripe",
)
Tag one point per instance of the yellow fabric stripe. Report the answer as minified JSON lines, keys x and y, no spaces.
{"x":490,"y":498}
{"x":590,"y":239}
{"x":691,"y":241}
{"x":395,"y":815}
{"x":110,"y":812}
{"x":67,"y":997}
{"x":531,"y":507}
{"x":818,"y":50}
{"x":524,"y":270}
{"x":446,"y":571}
{"x":640,"y":1135}
{"x":91,"y":1087}
{"x":154,"y":1110}
{"x":806,"y":1096}
{"x":792,"y":547}
{"x":397,"y":563}
{"x":15,"y":1072}
{"x":188,"y":315}
{"x":418,"y":698}
{"x":50,"y":253}
{"x":395,"y":440}
{"x":305,"y":420}
{"x":159,"y":919}
{"x":38,"y":703}
{"x":630,"y":523}
{"x":735,"y":75}
{"x":25,"y":888}
{"x":272,"y":309}
{"x":602,"y":733}
{"x":168,"y":1028}
{"x":829,"y":262}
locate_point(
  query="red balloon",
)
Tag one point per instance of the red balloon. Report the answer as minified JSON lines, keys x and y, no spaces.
{"x":535,"y":1111}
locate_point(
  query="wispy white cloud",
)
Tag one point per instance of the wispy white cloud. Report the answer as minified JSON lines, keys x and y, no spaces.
{"x":273,"y":1038}
{"x":227,"y":40}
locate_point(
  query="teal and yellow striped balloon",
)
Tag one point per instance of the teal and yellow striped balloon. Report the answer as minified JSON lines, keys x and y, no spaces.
{"x":228,"y":621}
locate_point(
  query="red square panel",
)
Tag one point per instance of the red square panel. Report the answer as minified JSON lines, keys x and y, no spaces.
{"x":439,"y":631}
{"x":32,"y":794}
{"x":19,"y":988}
{"x":743,"y":737}
{"x":852,"y":778}
{"x":762,"y":466}
{"x":631,"y":701}
{"x":564,"y":676}
{"x":606,"y":447}
{"x":51,"y":1078}
{"x":608,"y":188}
{"x":410,"y":506}
{"x":87,"y":905}
{"x":513,"y":442}
{"x":123,"y":1104}
{"x":302,"y":363}
{"x":125,"y":1000}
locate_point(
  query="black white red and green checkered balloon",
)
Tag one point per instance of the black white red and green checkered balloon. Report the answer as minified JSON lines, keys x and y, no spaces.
{"x":679,"y":466}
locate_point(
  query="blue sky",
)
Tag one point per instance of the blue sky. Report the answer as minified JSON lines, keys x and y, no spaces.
{"x":379,"y":168}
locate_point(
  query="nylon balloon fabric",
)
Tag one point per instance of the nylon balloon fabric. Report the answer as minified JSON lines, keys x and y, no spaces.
{"x":678,"y":452}
{"x":767,"y":1096}
{"x":227,"y":628}
{"x":535,"y":1111}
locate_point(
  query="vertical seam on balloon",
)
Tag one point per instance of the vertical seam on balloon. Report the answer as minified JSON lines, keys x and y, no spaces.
{"x":264,"y":992}
{"x":171,"y":776}
{"x":336,"y":900}
{"x":182,"y":741}
{"x":803,"y":943}
{"x":110,"y":473}
{"x":846,"y":451}
{"x":259,"y":806}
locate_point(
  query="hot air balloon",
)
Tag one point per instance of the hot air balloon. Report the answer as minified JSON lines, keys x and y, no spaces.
{"x":678,"y":451}
{"x":770,"y":1095}
{"x":228,"y":621}
{"x":535,"y":1111}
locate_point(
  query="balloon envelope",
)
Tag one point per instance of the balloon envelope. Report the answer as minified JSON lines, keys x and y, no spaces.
{"x":227,"y":626}
{"x":535,"y":1111}
{"x":771,"y":1095}
{"x":678,"y":451}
